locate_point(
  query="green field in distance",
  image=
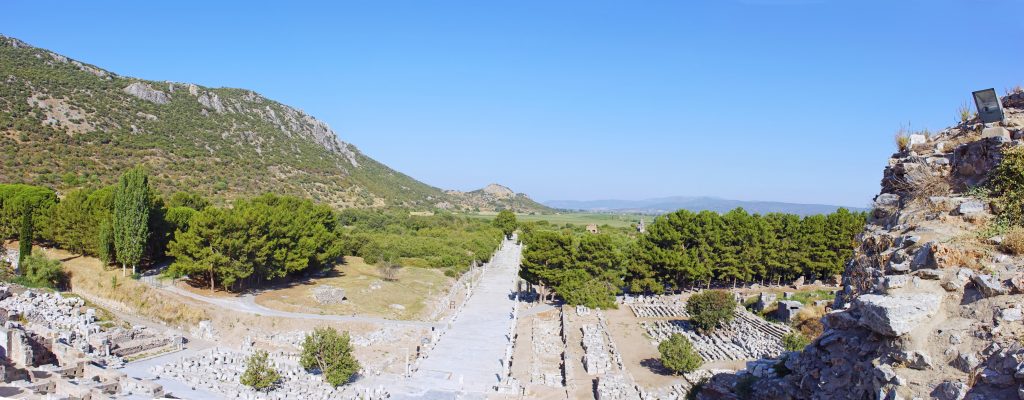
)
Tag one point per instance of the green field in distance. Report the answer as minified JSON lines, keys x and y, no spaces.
{"x":576,"y":218}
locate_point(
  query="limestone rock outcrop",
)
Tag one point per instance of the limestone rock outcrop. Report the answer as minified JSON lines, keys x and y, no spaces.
{"x":930,"y":306}
{"x":147,"y":93}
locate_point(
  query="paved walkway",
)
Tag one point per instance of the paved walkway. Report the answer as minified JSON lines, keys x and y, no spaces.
{"x":468,"y":359}
{"x":179,"y":389}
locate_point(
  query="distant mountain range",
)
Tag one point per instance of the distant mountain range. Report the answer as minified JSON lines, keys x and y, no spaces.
{"x":668,"y":204}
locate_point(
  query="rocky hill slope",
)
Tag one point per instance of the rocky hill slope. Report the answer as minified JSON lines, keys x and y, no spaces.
{"x":64,"y":123}
{"x":932,"y":303}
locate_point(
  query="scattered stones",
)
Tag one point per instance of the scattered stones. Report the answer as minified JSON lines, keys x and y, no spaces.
{"x":1011,"y":314}
{"x":988,"y":285}
{"x":966,"y":362}
{"x":914,"y":359}
{"x":950,"y":391}
{"x":972,"y":207}
{"x":219,"y":371}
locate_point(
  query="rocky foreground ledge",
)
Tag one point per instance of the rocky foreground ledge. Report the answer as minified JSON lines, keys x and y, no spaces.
{"x":931,"y":308}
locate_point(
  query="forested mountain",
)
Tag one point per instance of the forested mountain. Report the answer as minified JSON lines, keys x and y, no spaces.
{"x":67,"y":124}
{"x":695,"y":204}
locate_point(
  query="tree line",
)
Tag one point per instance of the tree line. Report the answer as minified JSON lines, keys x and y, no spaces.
{"x":685,"y":249}
{"x":244,"y":244}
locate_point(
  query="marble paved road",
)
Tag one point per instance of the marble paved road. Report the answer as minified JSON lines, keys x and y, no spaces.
{"x":467,"y":361}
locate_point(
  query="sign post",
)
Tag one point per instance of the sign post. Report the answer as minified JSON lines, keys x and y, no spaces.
{"x":990,"y":109}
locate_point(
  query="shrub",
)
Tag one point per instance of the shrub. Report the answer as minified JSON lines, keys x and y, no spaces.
{"x":39,"y":271}
{"x":329,"y":352}
{"x":259,"y":374}
{"x":1007,"y":184}
{"x":678,"y":355}
{"x":710,"y":308}
{"x":1013,"y":241}
{"x":388,"y":270}
{"x":902,"y":140}
{"x":920,"y":184}
{"x":964,"y":112}
{"x":795,"y":341}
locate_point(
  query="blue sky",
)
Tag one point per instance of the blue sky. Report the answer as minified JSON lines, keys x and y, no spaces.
{"x":754,"y":100}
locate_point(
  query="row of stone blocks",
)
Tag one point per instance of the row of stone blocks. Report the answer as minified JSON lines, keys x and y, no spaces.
{"x":745,"y":337}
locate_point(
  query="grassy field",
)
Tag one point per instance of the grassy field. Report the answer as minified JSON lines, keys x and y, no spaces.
{"x":580,"y":218}
{"x":413,"y":289}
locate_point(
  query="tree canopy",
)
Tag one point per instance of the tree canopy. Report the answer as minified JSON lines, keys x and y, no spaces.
{"x":506,"y":221}
{"x":678,"y":354}
{"x":686,"y":249}
{"x":329,"y":352}
{"x":131,"y":217}
{"x":256,"y":240}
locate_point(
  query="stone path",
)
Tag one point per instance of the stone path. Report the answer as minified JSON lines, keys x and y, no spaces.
{"x":468,"y":359}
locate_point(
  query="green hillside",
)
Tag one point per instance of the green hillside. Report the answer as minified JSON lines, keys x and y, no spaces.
{"x":67,"y":124}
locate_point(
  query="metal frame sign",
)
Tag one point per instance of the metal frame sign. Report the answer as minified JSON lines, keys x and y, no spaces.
{"x":990,"y":109}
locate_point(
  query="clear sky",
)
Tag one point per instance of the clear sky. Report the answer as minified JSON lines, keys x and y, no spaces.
{"x":756,"y":100}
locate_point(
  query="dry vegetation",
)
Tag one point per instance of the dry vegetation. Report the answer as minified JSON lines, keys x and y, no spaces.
{"x":89,"y":277}
{"x":920,"y":184}
{"x":1013,"y":241}
{"x":808,"y":321}
{"x":412,"y":288}
{"x":902,"y":138}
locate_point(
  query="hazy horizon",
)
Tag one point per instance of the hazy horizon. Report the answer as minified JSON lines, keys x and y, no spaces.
{"x":769,"y":101}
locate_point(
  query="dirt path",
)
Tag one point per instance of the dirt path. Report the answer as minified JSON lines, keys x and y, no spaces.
{"x":247,"y":303}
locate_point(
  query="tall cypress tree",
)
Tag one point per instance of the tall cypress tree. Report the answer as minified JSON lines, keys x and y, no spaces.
{"x":131,"y":217}
{"x":25,"y":238}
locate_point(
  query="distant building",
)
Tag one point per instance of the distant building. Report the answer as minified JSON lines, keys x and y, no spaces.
{"x":592,"y":228}
{"x":641,"y":227}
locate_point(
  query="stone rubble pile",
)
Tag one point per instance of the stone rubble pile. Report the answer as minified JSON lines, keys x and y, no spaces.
{"x":219,"y":371}
{"x":615,"y":387}
{"x":547,"y":347}
{"x":746,"y":337}
{"x":677,"y":391}
{"x":596,"y":359}
{"x":326,"y":295}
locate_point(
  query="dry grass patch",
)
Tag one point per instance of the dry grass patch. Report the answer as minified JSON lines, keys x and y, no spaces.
{"x":88,"y":276}
{"x":920,"y":184}
{"x":367,"y":291}
{"x":1013,"y":241}
{"x":808,"y":321}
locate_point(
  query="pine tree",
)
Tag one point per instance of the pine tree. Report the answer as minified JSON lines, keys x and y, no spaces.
{"x":131,"y":218}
